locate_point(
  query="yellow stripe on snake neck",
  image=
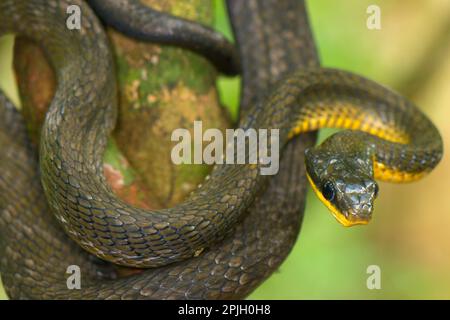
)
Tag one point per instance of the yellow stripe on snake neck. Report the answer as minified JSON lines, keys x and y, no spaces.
{"x":384,"y":173}
{"x":365,"y":123}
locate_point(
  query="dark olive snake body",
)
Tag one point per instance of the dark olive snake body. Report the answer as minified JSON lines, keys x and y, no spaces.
{"x":189,"y":246}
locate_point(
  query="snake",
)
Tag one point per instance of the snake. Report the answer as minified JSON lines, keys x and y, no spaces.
{"x":188,"y":248}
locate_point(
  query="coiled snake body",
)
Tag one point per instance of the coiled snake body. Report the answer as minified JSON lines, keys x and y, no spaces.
{"x":82,"y":115}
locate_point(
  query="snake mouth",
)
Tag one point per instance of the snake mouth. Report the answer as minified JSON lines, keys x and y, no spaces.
{"x":347,"y":219}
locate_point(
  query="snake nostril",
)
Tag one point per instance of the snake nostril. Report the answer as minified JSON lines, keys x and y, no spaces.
{"x":366,"y":208}
{"x":376,"y":190}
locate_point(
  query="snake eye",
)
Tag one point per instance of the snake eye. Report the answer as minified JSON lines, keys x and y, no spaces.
{"x":328,"y":191}
{"x":375,"y":192}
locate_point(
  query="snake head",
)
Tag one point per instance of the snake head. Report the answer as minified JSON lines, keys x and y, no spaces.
{"x":343,"y":182}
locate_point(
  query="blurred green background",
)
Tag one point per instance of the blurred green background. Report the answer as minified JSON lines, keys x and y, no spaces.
{"x":409,"y":236}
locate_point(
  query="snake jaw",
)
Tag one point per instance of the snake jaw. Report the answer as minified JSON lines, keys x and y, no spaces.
{"x":357,"y":220}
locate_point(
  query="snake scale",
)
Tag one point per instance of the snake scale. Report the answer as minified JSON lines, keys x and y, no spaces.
{"x":189,"y":248}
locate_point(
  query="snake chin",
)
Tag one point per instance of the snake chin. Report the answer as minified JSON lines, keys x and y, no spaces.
{"x":343,"y":181}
